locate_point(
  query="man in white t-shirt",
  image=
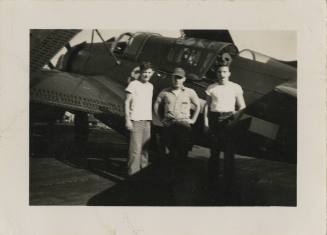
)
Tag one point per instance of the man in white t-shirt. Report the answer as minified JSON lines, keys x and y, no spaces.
{"x":138,"y":115}
{"x":224,"y":100}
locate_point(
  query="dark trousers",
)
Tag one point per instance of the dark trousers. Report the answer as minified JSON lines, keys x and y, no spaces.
{"x":221,"y":140}
{"x":177,"y":138}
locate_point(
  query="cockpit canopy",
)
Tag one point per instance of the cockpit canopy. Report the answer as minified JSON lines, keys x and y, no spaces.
{"x":195,"y":55}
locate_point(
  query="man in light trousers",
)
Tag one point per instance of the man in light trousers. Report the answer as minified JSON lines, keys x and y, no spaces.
{"x":138,"y":115}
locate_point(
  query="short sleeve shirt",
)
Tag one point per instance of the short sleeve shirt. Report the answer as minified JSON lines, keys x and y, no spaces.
{"x":223,"y":97}
{"x":141,"y":100}
{"x":177,"y":106}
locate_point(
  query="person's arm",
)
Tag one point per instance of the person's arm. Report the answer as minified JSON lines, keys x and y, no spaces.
{"x":196,"y":102}
{"x":205,"y":113}
{"x":156,"y":106}
{"x":128,"y":102}
{"x":239,"y":105}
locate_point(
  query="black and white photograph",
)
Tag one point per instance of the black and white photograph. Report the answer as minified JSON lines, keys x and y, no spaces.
{"x":163,"y":117}
{"x":189,"y":117}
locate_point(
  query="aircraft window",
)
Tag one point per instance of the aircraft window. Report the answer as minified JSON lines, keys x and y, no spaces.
{"x":191,"y":57}
{"x":121,"y":43}
{"x":253,"y":55}
{"x":186,"y":56}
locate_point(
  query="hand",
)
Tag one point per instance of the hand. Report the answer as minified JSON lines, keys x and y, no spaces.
{"x":129,"y":125}
{"x":236,"y":115}
{"x":191,"y":121}
{"x":206,"y":128}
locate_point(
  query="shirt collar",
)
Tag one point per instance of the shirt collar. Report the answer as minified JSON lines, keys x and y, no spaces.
{"x":171,"y":89}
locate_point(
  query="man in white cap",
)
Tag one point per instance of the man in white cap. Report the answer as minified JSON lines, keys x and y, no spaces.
{"x":177,"y":119}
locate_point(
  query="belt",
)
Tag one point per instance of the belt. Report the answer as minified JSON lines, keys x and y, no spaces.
{"x":169,"y":121}
{"x":222,"y":113}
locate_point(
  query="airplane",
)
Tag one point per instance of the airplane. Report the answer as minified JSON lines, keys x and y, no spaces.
{"x":91,"y":78}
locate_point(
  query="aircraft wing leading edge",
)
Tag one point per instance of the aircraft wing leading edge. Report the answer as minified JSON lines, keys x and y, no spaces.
{"x":96,"y":94}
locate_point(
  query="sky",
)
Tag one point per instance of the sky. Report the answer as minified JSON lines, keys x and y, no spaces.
{"x":281,"y":45}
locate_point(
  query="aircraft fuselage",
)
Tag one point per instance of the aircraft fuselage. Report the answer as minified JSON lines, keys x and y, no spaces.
{"x":93,"y":82}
